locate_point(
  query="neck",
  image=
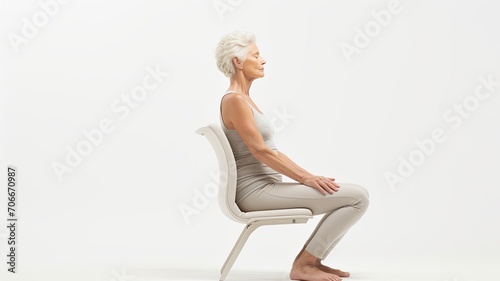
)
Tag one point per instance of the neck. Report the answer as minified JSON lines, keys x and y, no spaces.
{"x":241,"y":84}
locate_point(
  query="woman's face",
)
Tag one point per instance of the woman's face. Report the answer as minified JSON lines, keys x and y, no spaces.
{"x":253,"y":66}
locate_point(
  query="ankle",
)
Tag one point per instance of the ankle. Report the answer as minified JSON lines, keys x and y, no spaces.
{"x":299,"y":254}
{"x":305,"y":258}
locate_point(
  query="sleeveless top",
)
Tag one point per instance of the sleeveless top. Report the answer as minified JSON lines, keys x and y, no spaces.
{"x":252,"y":174}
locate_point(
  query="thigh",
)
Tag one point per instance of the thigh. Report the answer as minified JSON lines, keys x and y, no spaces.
{"x":285,"y":195}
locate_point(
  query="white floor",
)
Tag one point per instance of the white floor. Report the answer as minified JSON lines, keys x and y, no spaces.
{"x":467,"y":273}
{"x":437,"y":270}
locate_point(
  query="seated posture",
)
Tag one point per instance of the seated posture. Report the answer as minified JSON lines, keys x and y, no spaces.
{"x":260,"y":165}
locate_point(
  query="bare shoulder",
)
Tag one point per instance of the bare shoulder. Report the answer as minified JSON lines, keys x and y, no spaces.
{"x":234,"y":102}
{"x":233,"y":98}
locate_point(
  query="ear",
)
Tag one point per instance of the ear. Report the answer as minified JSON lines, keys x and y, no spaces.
{"x":237,"y":63}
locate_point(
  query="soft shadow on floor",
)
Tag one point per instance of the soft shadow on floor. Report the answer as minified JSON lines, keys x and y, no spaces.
{"x":256,"y":275}
{"x":199,"y":275}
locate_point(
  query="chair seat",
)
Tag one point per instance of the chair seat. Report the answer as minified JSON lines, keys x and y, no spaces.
{"x":276,"y":214}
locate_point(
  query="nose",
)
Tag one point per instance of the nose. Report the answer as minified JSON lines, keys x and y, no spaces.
{"x":263,"y":61}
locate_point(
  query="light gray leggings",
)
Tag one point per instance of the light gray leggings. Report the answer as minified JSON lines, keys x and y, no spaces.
{"x":342,"y":209}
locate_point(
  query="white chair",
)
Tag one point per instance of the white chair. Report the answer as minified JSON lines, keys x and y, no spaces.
{"x":227,"y":196}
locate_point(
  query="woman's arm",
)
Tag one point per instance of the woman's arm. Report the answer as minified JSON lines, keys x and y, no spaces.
{"x":237,"y":113}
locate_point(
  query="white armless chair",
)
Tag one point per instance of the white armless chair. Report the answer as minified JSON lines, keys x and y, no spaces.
{"x":227,"y":197}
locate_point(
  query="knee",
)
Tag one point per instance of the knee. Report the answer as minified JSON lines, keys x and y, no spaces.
{"x":366,"y":198}
{"x":362,"y":197}
{"x":367,"y":194}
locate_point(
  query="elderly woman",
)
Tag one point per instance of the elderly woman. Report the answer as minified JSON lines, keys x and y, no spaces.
{"x":260,"y":165}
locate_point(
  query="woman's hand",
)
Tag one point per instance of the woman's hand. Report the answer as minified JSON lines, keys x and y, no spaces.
{"x":322,"y":184}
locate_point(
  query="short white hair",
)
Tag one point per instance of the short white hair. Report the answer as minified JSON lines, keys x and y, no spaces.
{"x":234,"y":44}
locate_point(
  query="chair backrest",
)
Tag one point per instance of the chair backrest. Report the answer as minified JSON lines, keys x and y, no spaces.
{"x":227,"y":168}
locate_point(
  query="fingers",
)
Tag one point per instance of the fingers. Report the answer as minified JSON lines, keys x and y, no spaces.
{"x":334,"y":183}
{"x":328,"y":185}
{"x":325,"y":187}
{"x":321,"y":190}
{"x":323,"y":184}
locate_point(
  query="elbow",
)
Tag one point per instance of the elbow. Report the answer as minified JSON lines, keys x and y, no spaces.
{"x":262,"y":152}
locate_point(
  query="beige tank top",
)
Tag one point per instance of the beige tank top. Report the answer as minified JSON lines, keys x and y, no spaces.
{"x":252,"y":174}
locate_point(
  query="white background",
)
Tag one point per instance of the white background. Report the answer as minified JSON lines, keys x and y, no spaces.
{"x":350,"y":117}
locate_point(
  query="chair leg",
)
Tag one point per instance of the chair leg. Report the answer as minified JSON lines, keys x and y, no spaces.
{"x":249,"y":228}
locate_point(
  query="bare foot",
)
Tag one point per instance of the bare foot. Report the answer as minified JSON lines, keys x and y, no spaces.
{"x":308,"y":272}
{"x":304,"y":268}
{"x":328,"y":269}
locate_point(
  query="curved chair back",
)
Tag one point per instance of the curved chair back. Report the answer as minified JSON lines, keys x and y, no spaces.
{"x":227,"y":169}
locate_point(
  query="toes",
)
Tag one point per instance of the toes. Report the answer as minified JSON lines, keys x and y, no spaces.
{"x":334,"y":277}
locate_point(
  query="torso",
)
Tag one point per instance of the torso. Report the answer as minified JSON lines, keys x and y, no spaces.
{"x":225,"y":117}
{"x":252,"y":174}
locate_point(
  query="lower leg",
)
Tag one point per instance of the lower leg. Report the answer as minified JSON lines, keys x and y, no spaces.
{"x":300,"y":253}
{"x":322,"y":242}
